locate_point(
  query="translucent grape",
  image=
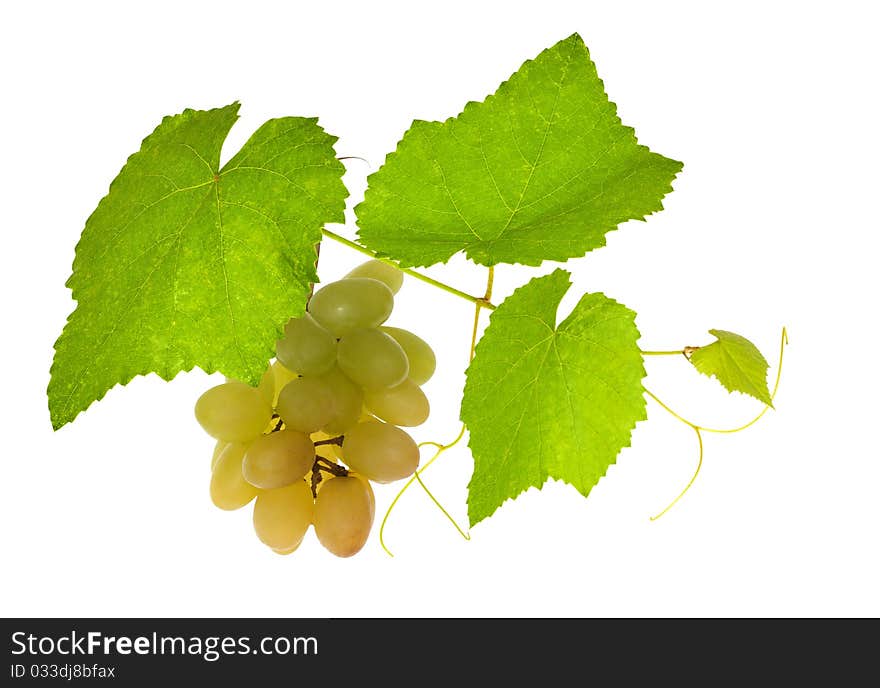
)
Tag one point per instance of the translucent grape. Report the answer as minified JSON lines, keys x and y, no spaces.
{"x":233,"y":412}
{"x":278,"y":459}
{"x":381,"y":452}
{"x":306,"y":347}
{"x":372,"y":359}
{"x":306,"y":404}
{"x":229,"y":489}
{"x":343,"y":516}
{"x":389,"y":275}
{"x":405,"y":404}
{"x":422,"y":361}
{"x":348,"y":401}
{"x":282,"y":516}
{"x":351,"y":304}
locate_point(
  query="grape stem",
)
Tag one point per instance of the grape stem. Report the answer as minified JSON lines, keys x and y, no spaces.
{"x":329,"y":467}
{"x":322,"y":464}
{"x":480,"y":302}
{"x":331,"y":440}
{"x":699,"y":429}
{"x":687,"y":352}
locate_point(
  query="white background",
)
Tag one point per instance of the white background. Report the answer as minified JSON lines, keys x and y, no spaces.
{"x":773,"y":222}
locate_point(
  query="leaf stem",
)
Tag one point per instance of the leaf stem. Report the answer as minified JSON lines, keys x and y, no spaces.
{"x":480,"y":302}
{"x":677,"y":352}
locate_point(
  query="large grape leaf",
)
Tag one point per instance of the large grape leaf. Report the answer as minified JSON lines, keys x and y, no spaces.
{"x":541,"y":170}
{"x":543,"y":401}
{"x":185,"y":264}
{"x":736,"y":363}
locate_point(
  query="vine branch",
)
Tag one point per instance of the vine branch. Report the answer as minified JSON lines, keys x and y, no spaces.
{"x":480,"y":302}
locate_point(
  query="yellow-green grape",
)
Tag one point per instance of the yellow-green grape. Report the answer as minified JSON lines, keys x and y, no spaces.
{"x":344,"y":515}
{"x":391,"y":276}
{"x":278,"y":459}
{"x":229,"y":489}
{"x":218,"y":449}
{"x":405,"y":404}
{"x":285,"y":552}
{"x":282,"y":516}
{"x":380,"y":452}
{"x":306,"y":404}
{"x":422,"y":361}
{"x":372,"y":359}
{"x":348,"y":399}
{"x":306,"y":347}
{"x":351,"y":304}
{"x":233,"y":412}
{"x":282,"y":376}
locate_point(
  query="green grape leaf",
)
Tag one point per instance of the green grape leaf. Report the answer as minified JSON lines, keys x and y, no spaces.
{"x":736,"y":363}
{"x":185,"y":264}
{"x":541,"y":170}
{"x":543,"y":401}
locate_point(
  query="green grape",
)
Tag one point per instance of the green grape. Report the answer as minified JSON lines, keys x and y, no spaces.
{"x":218,"y":449}
{"x":282,"y":376}
{"x":229,"y":489}
{"x":380,"y":452}
{"x":306,"y":404}
{"x":389,"y":275}
{"x":306,"y":347}
{"x":282,"y":516}
{"x":278,"y":459}
{"x":422,"y":361}
{"x":351,"y":304}
{"x":372,"y":359}
{"x":233,"y":412}
{"x":343,"y":517}
{"x":348,"y":401}
{"x":405,"y":404}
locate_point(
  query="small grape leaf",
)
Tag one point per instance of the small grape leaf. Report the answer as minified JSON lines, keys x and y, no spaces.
{"x":541,"y":170}
{"x":184,"y":264}
{"x":543,"y":401}
{"x":736,"y":363}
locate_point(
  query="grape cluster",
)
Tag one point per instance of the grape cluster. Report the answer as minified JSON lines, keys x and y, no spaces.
{"x":325,"y":419}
